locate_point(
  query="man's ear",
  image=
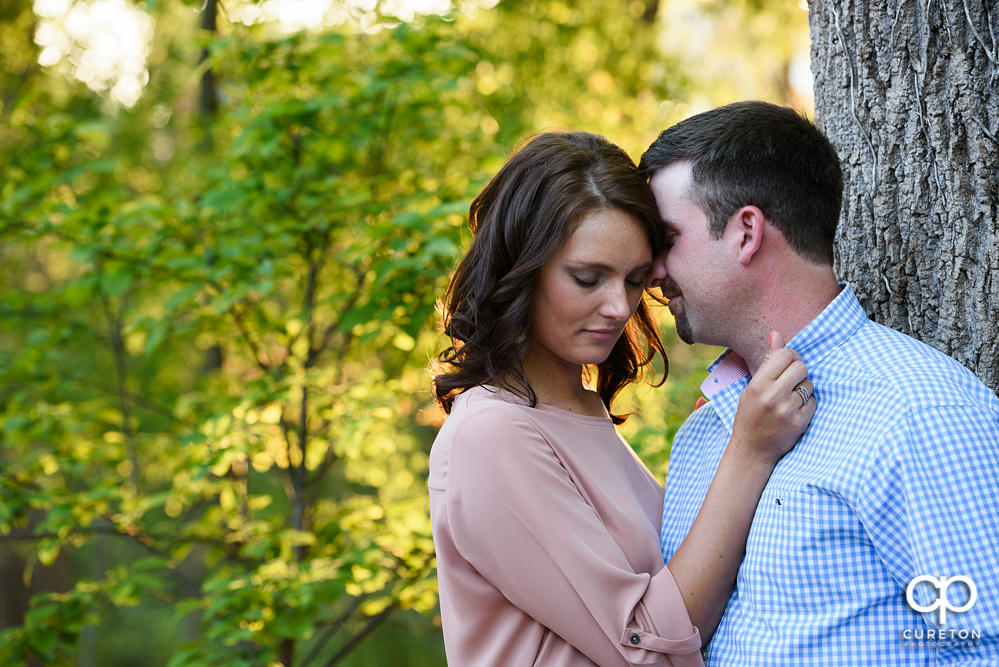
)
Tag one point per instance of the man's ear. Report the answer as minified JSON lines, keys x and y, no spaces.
{"x":750,"y":226}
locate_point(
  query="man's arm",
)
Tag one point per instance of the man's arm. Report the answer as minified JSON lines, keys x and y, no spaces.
{"x":936,"y":513}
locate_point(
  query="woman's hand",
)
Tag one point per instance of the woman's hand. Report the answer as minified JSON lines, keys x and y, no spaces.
{"x":773,"y":412}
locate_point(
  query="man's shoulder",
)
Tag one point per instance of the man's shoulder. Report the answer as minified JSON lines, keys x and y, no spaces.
{"x":907,"y":369}
{"x":699,"y":430}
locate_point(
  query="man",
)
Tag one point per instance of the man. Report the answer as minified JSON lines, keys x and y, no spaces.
{"x":897,"y":477}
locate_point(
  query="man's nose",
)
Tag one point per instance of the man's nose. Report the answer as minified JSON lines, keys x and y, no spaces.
{"x":658,"y":271}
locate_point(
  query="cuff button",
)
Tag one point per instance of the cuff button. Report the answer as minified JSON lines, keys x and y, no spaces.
{"x":634,"y":638}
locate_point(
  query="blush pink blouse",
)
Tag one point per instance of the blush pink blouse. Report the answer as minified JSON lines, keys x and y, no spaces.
{"x":546,"y":527}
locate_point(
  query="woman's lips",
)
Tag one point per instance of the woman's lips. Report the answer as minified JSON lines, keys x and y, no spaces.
{"x":603,"y":334}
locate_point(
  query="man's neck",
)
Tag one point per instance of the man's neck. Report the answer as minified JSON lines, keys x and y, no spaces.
{"x":787,"y":306}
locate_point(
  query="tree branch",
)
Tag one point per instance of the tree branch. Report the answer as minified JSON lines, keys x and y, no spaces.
{"x":145,"y":540}
{"x":368,"y":628}
{"x":119,"y":353}
{"x":141,"y":401}
{"x":330,"y":631}
{"x":360,"y":278}
{"x":244,"y":331}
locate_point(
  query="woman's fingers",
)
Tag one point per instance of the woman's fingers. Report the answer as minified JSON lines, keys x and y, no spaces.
{"x":803,"y":391}
{"x":782,"y":379}
{"x":794,"y":374}
{"x":780,"y":361}
{"x":807,"y":385}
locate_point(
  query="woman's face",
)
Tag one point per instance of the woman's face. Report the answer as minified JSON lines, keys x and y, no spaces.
{"x":588,"y":290}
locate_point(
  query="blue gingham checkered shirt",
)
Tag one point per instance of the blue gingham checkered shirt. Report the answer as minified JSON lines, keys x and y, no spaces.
{"x":897,"y":477}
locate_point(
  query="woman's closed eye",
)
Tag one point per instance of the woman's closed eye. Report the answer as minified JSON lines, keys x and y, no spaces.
{"x":635,"y":280}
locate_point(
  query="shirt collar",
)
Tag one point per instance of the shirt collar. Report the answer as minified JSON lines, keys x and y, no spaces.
{"x":831,"y":328}
{"x":728,"y":374}
{"x":725,"y":370}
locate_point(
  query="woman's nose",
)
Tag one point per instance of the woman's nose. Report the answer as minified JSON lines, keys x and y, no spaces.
{"x":617,"y":303}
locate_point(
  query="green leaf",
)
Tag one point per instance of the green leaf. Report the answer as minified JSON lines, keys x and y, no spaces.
{"x":115,"y":281}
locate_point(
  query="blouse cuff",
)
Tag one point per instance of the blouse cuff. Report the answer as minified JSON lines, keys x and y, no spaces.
{"x":662,"y":624}
{"x":650,"y":642}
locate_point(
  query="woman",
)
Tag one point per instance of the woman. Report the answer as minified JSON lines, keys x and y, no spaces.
{"x":545,"y":522}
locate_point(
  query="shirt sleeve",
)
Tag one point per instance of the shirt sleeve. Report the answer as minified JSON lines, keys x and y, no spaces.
{"x":935,"y":512}
{"x":519,"y":519}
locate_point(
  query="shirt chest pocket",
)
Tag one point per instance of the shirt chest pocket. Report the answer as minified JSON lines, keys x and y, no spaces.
{"x":806,"y":550}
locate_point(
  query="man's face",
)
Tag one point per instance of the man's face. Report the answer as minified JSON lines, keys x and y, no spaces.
{"x":694,"y":272}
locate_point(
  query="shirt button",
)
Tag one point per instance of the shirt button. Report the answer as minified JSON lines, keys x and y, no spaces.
{"x":634,"y":638}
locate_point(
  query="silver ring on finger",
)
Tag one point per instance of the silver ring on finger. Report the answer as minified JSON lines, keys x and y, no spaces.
{"x":803,"y":393}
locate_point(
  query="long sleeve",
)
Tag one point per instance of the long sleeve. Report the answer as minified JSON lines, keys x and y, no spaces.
{"x":519,"y":518}
{"x":934,"y":511}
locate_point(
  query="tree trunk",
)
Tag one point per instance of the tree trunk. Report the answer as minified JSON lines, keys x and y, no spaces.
{"x":208,"y":108}
{"x":908,"y":93}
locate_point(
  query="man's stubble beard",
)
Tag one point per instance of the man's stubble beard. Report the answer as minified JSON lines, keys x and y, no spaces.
{"x":683,"y":329}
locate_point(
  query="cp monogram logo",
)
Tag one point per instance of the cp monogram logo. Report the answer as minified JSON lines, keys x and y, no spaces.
{"x":941,"y":584}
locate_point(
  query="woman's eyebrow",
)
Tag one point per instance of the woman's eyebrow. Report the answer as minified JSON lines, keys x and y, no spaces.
{"x":600,"y":266}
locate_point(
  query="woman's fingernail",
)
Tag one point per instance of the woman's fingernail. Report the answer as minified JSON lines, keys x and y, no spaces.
{"x":773,"y":333}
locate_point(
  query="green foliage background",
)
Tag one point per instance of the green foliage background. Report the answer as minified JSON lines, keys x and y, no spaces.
{"x":216,"y":322}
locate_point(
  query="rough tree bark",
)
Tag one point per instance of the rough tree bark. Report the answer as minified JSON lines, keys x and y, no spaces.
{"x":908,"y":92}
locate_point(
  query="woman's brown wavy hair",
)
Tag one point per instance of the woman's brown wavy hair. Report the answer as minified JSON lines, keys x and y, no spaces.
{"x":519,"y":221}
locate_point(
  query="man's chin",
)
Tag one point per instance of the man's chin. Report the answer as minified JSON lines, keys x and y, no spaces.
{"x":686,"y":338}
{"x":683,"y":330}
